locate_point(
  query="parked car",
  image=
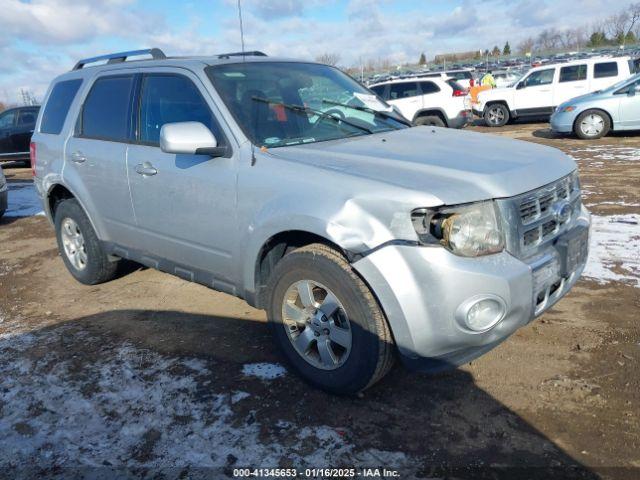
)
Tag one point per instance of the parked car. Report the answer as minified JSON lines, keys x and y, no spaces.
{"x":362,"y":239}
{"x":543,"y":88}
{"x":4,"y":192}
{"x":594,"y":115}
{"x":16,"y":128}
{"x":428,"y":101}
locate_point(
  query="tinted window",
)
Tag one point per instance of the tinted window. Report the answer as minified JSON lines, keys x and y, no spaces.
{"x":169,"y":99}
{"x":429,"y":87}
{"x":573,"y":73}
{"x":106,"y":113}
{"x":55,"y":112}
{"x":27,"y":117}
{"x":602,"y":70}
{"x":403,"y":90}
{"x":378,"y":90}
{"x":7,"y":120}
{"x":634,"y":65}
{"x":455,"y":85}
{"x":541,"y":77}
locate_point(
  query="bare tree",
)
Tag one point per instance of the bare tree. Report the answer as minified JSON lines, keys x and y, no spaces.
{"x":328,"y":58}
{"x":526,"y":46}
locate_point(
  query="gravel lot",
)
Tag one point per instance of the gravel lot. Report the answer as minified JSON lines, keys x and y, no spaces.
{"x":154,"y":375}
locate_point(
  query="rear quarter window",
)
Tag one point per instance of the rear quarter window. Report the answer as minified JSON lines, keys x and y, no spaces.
{"x":607,"y":69}
{"x":57,"y":107}
{"x":378,"y":90}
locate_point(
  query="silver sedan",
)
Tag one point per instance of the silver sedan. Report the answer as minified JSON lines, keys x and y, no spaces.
{"x":593,"y":115}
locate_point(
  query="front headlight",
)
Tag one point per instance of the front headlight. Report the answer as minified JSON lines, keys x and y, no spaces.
{"x":469,"y":230}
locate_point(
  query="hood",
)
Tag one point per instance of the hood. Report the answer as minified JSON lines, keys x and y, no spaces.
{"x":454,"y":166}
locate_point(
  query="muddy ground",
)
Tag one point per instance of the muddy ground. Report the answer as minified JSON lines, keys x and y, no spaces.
{"x":154,"y":375}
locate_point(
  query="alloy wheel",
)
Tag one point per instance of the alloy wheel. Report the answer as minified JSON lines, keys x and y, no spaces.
{"x":317,"y":324}
{"x":73,"y":243}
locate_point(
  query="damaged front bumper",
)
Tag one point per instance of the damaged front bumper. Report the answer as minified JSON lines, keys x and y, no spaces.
{"x":422,"y":290}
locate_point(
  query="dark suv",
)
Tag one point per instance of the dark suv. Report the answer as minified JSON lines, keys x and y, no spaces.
{"x":16,"y":128}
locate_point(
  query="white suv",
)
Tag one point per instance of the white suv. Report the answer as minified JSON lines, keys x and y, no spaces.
{"x":544,"y":88}
{"x":428,"y":101}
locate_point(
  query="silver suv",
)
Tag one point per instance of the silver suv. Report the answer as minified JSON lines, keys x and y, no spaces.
{"x":292,"y":186}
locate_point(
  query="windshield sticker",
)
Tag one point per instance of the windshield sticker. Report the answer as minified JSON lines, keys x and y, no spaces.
{"x":372,"y":102}
{"x":272,"y":140}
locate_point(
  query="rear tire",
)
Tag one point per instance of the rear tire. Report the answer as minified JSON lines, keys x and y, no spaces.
{"x":591,"y":125}
{"x":429,"y":120}
{"x":363,"y":350}
{"x":79,"y":247}
{"x":496,"y":115}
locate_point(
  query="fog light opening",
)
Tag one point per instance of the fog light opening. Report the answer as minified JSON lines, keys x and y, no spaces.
{"x":481,"y":313}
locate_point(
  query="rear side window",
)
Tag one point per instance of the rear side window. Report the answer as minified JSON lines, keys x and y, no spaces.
{"x":403,"y":90}
{"x":27,"y":117}
{"x":603,"y":70}
{"x":106,"y":113}
{"x":429,"y":87}
{"x":168,"y":98}
{"x":461,"y":75}
{"x":634,"y":65}
{"x":55,"y":112}
{"x":573,"y":73}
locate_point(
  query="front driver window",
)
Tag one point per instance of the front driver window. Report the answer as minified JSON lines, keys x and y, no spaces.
{"x":541,"y":77}
{"x":6,"y":120}
{"x":170,"y":98}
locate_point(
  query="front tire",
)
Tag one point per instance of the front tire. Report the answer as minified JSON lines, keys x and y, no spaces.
{"x":591,"y":125}
{"x":327,"y":322}
{"x":496,"y":115}
{"x":79,"y":247}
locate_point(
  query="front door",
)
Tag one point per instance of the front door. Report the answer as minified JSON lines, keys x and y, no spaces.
{"x":407,"y":97}
{"x":7,"y":123}
{"x":534,"y":94}
{"x":185,"y":205}
{"x":630,"y":107}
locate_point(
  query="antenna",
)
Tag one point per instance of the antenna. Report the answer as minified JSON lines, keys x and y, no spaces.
{"x":241,"y":28}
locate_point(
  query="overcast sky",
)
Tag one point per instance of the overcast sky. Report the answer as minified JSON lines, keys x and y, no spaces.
{"x":40,"y":39}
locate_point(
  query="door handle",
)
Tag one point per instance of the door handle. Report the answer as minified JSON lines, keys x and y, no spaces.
{"x":146,"y":169}
{"x":78,"y":157}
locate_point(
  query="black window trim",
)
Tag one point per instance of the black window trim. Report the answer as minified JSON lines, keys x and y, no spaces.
{"x":222,"y":142}
{"x":78,"y":131}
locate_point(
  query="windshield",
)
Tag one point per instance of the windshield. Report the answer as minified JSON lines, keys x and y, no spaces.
{"x":287,"y":103}
{"x":622,"y":83}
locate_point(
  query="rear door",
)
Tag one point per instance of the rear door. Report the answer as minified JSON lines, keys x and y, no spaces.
{"x":407,"y":97}
{"x":535,"y":93}
{"x":606,"y":73}
{"x":572,"y":83}
{"x":96,"y":153}
{"x":184,"y":204}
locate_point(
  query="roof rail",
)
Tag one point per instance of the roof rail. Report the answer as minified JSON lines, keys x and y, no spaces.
{"x":119,"y":57}
{"x":254,"y":53}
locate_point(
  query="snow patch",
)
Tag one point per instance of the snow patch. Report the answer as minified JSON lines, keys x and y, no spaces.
{"x":614,"y":250}
{"x":264,"y":371}
{"x":609,"y":152}
{"x":23,"y":200}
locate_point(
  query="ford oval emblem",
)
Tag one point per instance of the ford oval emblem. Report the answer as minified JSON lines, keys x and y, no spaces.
{"x":562,"y":211}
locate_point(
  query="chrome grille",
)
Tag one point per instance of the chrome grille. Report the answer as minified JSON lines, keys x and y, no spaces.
{"x":533,"y":218}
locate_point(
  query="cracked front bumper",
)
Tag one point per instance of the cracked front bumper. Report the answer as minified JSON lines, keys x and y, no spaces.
{"x":421,"y":288}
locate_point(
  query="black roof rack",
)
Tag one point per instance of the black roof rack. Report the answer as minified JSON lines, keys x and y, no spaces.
{"x":119,"y":57}
{"x":254,"y":53}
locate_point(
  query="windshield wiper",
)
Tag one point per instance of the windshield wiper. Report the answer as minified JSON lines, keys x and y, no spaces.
{"x":365,"y":109}
{"x":303,"y":109}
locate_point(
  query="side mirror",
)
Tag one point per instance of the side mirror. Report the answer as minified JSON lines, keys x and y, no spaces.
{"x":520,"y":85}
{"x":190,"y":138}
